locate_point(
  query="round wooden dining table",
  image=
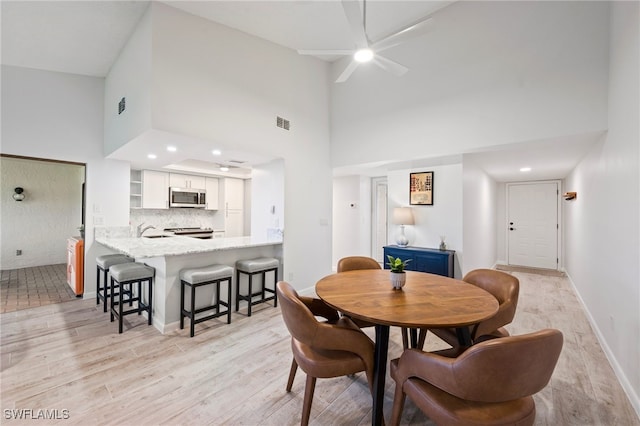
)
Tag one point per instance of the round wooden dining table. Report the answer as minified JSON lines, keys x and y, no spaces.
{"x":426,"y":301}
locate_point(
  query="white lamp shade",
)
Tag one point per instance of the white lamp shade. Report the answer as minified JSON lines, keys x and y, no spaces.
{"x":403,"y":216}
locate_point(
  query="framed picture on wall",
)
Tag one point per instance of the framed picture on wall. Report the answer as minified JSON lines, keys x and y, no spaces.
{"x":421,"y":189}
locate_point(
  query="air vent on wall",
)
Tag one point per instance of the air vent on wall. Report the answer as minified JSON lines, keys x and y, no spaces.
{"x":282,"y":123}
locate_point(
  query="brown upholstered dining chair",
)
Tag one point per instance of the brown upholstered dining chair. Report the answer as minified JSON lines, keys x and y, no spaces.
{"x":322,"y":349}
{"x":491,"y":383}
{"x":504,"y":287}
{"x":356,"y":263}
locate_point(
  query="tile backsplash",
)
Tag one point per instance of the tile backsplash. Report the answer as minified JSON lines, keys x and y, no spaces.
{"x":175,"y":218}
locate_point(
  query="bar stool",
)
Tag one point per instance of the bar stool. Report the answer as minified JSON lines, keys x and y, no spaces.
{"x":127,"y":274}
{"x":103,"y":263}
{"x":251,"y":267}
{"x":198,"y":277}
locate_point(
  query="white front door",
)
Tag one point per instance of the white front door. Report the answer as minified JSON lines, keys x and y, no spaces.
{"x":532,"y":224}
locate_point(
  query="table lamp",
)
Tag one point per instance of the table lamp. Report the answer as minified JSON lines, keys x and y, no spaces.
{"x":402,"y":216}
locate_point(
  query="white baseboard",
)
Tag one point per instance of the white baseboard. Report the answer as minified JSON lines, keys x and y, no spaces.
{"x":167,"y":328}
{"x":622,"y":378}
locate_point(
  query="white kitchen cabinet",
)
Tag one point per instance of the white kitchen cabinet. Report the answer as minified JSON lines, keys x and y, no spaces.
{"x":135,"y":189}
{"x":212,"y":186}
{"x":233,"y":194}
{"x":155,"y":190}
{"x":178,"y":180}
{"x":233,"y":223}
{"x":232,"y":204}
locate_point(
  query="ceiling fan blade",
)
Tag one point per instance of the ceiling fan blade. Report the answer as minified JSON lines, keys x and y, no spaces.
{"x":401,"y":36}
{"x":347,"y":71}
{"x":390,"y":66}
{"x":325,"y":52}
{"x":354,"y":17}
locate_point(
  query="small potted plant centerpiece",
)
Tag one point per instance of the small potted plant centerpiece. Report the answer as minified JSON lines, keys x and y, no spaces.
{"x":398,"y":276}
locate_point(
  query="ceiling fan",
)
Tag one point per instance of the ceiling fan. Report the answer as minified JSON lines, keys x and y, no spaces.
{"x":370,"y":51}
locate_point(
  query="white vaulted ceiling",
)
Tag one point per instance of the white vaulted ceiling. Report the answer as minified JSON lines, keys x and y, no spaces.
{"x":77,"y":37}
{"x":85,"y":37}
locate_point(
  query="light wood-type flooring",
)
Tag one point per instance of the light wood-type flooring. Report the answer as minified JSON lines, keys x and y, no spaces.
{"x":70,"y":360}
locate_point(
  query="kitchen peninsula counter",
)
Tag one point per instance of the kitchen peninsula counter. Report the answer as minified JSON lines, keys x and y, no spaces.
{"x":169,"y":255}
{"x":144,"y":247}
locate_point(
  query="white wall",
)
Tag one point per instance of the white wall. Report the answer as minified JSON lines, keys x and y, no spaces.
{"x":351,"y":217}
{"x":480,"y":225}
{"x":50,"y":213}
{"x":501,"y":220}
{"x":248,"y":185}
{"x":215,"y":83}
{"x":59,"y":116}
{"x":539,"y":81}
{"x":602,"y":225}
{"x":267,"y":201}
{"x":129,"y":78}
{"x":444,"y":218}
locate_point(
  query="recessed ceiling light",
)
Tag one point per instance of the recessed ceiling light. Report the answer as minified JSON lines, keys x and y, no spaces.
{"x":363,"y":55}
{"x":216,"y":152}
{"x":525,"y":169}
{"x":172,"y":148}
{"x":224,"y":169}
{"x":152,"y":156}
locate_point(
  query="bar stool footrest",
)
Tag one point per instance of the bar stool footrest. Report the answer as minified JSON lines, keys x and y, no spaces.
{"x":250,"y":267}
{"x":197,"y":277}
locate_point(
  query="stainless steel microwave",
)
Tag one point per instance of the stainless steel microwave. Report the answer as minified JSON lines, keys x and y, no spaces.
{"x":187,"y":197}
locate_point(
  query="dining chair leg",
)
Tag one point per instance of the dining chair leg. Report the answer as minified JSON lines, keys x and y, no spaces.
{"x":308,"y":398}
{"x":405,"y":338}
{"x":292,"y":374}
{"x":398,"y":405}
{"x":422,"y":337}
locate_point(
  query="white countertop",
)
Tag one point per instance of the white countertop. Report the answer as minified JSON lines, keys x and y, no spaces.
{"x":180,"y":245}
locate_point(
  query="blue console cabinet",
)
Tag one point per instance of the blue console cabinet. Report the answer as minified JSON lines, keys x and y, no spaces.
{"x":433,"y":261}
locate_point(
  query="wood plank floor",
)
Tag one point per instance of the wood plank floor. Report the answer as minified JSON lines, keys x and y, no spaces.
{"x":69,"y":356}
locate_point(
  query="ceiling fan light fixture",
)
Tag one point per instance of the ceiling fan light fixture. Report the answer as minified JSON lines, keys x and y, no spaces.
{"x":368,"y":51}
{"x":363,"y":55}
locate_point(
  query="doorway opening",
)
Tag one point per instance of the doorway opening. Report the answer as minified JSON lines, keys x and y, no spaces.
{"x":533,"y":226}
{"x":379,"y":220}
{"x":35,"y":230}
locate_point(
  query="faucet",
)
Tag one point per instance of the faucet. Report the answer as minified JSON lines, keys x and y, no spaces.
{"x":140,"y":230}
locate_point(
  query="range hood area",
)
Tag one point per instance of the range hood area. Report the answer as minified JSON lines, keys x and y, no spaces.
{"x":225,"y":204}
